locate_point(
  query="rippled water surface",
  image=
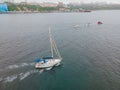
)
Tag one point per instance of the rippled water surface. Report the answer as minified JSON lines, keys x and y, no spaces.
{"x":91,"y":54}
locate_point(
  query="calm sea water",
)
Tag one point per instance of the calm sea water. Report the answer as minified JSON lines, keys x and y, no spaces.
{"x":91,"y":54}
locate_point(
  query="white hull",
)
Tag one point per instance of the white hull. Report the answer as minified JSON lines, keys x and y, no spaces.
{"x":49,"y":64}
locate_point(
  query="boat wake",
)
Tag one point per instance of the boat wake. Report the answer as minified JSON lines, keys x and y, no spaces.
{"x":24,"y":75}
{"x":20,"y":76}
{"x":10,"y":78}
{"x":15,"y":66}
{"x":1,"y":79}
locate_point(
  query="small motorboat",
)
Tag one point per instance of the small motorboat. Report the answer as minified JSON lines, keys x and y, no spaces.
{"x":76,"y":26}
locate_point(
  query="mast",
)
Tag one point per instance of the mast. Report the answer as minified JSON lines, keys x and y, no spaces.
{"x":51,"y":45}
{"x":56,"y":50}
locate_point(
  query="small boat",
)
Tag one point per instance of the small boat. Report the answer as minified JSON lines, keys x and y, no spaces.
{"x":49,"y":62}
{"x":99,"y":22}
{"x":76,"y":26}
{"x":85,"y":11}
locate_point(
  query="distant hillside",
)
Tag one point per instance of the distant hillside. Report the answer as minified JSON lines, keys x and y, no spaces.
{"x":66,"y":8}
{"x":95,"y":6}
{"x":27,"y":7}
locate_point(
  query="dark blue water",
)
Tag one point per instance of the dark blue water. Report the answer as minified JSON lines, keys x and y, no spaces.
{"x":91,"y":54}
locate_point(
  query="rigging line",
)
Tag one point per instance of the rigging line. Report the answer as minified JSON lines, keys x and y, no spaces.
{"x":56,"y":49}
{"x":51,"y":45}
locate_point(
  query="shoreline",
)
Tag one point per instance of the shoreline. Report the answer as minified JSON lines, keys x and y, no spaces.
{"x":30,"y":12}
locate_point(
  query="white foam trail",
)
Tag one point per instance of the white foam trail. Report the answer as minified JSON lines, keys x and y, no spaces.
{"x":1,"y":79}
{"x":12,"y":66}
{"x":32,"y":64}
{"x":23,"y":76}
{"x":49,"y":68}
{"x":34,"y":71}
{"x":10,"y":78}
{"x":20,"y":76}
{"x":23,"y":64}
{"x":20,"y":65}
{"x":41,"y":71}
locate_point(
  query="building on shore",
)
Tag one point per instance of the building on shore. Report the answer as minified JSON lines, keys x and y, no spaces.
{"x":61,"y":4}
{"x":3,"y":7}
{"x":48,"y":4}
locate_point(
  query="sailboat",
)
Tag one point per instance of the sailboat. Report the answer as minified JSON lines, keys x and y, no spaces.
{"x":49,"y":62}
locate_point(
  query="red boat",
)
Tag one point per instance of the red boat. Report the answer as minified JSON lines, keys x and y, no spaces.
{"x":99,"y":22}
{"x":84,"y":10}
